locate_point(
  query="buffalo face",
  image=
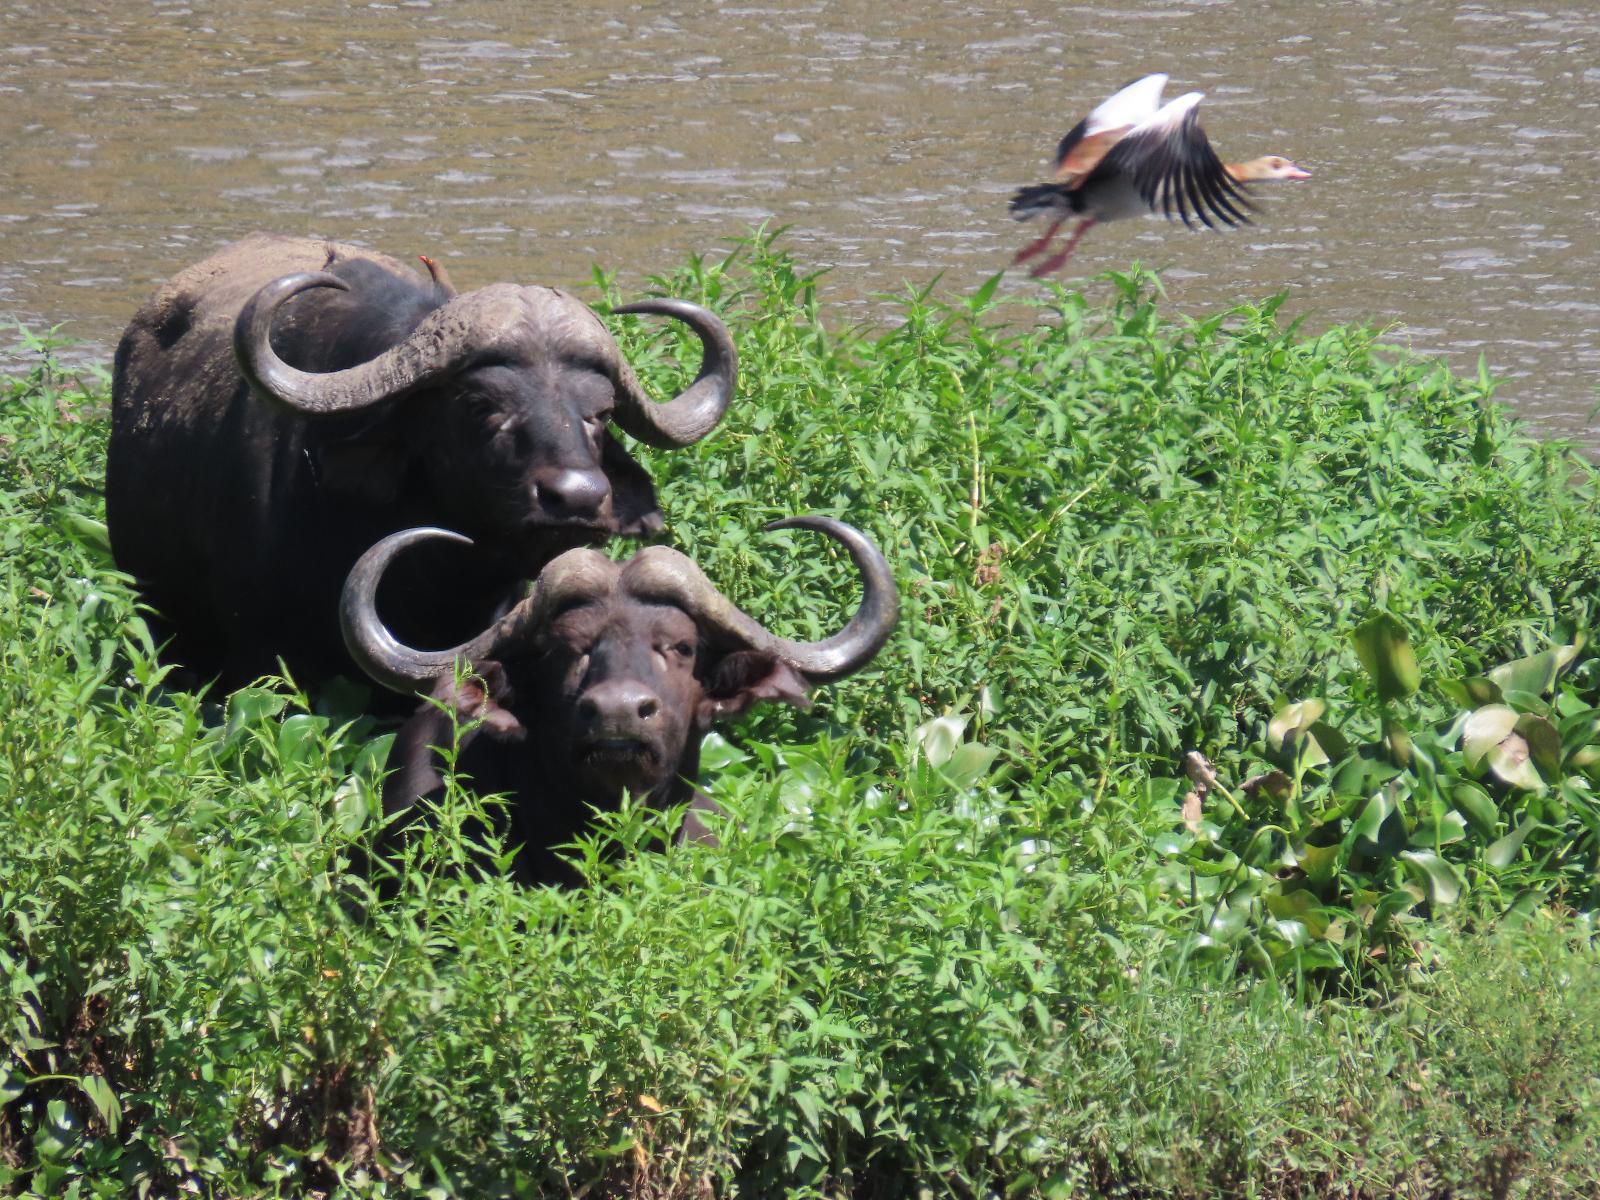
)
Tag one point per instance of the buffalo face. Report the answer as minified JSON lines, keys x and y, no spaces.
{"x":508,"y":394}
{"x":606,"y":677}
{"x":521,"y":454}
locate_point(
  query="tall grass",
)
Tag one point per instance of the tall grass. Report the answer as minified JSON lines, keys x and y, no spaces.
{"x":939,"y":948}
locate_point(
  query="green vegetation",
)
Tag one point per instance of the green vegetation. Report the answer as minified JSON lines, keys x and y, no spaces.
{"x":966,"y":935}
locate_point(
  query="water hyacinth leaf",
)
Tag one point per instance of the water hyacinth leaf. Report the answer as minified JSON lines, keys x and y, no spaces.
{"x":1320,"y":956}
{"x":1472,"y":691}
{"x":1544,"y":743}
{"x":1385,"y":651}
{"x":1380,"y":829}
{"x":1291,"y":720}
{"x":1511,"y":760}
{"x":1504,"y":852}
{"x":297,"y":737}
{"x":1440,"y":829}
{"x":1584,"y":757}
{"x":1398,"y":742}
{"x":1534,"y":674}
{"x":969,"y":764}
{"x":1439,"y":878}
{"x":1580,"y":730}
{"x":1400,"y":900}
{"x":1477,"y":806}
{"x":1523,"y":905}
{"x":938,"y":738}
{"x":717,"y":753}
{"x":1293,"y":932}
{"x":1301,"y":907}
{"x":1485,"y":728}
{"x":1333,"y":744}
{"x":1227,"y":923}
{"x":1318,"y":862}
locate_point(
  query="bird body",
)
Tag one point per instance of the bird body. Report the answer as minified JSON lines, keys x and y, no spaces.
{"x":1134,"y":155}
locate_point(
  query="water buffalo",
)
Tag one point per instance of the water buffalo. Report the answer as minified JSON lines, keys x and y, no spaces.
{"x":603,"y":680}
{"x":279,"y":407}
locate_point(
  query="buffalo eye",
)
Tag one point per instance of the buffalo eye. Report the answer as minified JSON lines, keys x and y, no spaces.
{"x":683,"y":650}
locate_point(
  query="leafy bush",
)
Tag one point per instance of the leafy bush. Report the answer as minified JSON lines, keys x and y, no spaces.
{"x":1339,"y":847}
{"x":937,"y":949}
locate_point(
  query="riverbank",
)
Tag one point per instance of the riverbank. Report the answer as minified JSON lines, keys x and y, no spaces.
{"x":959,"y":936}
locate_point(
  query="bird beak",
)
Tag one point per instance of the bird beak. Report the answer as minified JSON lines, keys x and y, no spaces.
{"x":1294,"y":172}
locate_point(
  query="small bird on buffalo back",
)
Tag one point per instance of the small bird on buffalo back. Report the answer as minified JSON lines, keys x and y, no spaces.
{"x":1134,"y":155}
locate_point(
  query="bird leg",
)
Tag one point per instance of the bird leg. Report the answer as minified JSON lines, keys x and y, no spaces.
{"x":1037,"y":246}
{"x":1053,"y":263}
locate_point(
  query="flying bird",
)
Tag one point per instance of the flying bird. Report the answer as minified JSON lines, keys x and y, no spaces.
{"x":1134,"y":155}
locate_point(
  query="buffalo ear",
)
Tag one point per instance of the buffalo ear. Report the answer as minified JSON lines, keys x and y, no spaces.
{"x":633,"y":492}
{"x":478,"y":697}
{"x":747,"y":677}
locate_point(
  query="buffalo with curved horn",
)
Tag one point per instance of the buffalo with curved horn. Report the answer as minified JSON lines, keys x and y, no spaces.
{"x":284,"y":404}
{"x":604,"y":679}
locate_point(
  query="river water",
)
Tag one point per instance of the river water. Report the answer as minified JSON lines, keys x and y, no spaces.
{"x":1454,"y":147}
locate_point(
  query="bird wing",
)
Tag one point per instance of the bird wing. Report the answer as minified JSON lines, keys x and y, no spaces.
{"x":1171,"y":162}
{"x":1093,"y":137}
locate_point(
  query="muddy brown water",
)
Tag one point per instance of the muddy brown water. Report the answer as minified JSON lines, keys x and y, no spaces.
{"x":1454,"y":146}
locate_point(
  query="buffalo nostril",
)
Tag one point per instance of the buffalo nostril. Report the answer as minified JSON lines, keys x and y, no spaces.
{"x":648,"y":708}
{"x":588,"y":710}
{"x":572,"y":493}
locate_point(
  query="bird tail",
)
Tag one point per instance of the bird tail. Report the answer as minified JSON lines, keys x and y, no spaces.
{"x":1030,"y":201}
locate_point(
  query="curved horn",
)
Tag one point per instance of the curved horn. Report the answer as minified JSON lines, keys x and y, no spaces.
{"x":377,"y":651}
{"x":576,"y":574}
{"x":697,"y":409}
{"x":657,"y":571}
{"x":440,"y":344}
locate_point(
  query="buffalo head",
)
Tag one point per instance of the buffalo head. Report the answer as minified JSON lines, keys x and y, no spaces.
{"x":512,"y":390}
{"x":606,"y":676}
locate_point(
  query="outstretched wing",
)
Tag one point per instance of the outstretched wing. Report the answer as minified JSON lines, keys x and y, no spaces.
{"x":1171,"y":162}
{"x":1093,"y":137}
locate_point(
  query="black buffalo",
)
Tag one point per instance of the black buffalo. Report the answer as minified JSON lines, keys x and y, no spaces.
{"x":602,"y":681}
{"x":281,"y":406}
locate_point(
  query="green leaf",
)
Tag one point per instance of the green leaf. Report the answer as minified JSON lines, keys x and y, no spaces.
{"x":1380,"y":829}
{"x":1503,"y":852}
{"x":969,"y":765}
{"x":87,"y":530}
{"x":1535,"y":674}
{"x":1318,"y":862}
{"x":986,"y":290}
{"x":1472,"y":691}
{"x":1476,"y":805}
{"x":1544,"y":743}
{"x":1439,"y":829}
{"x":1523,"y":905}
{"x":1441,"y":880}
{"x":297,"y":737}
{"x":1292,"y":719}
{"x":938,"y":738}
{"x":1511,"y":760}
{"x":1485,"y":728}
{"x":104,"y":1100}
{"x":1385,"y":651}
{"x":1397,"y":741}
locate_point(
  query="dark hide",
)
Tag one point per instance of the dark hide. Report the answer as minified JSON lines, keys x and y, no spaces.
{"x":616,"y":694}
{"x":239,"y":518}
